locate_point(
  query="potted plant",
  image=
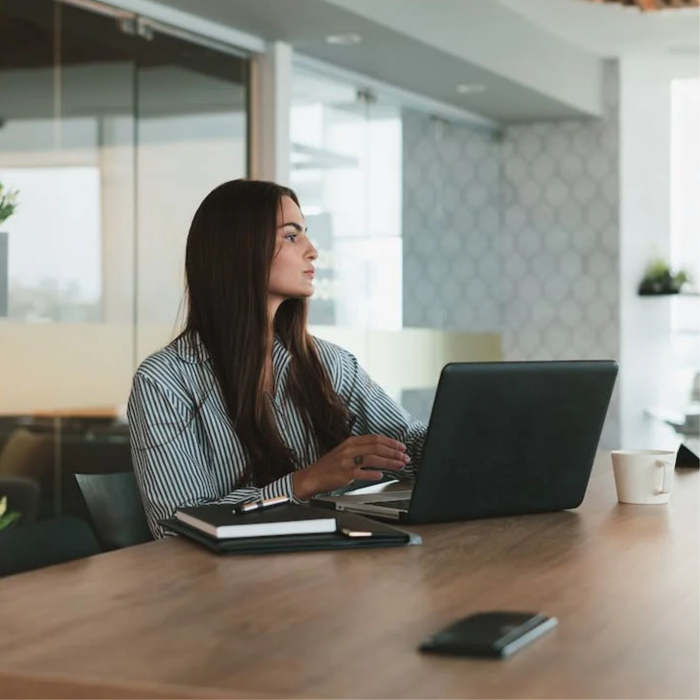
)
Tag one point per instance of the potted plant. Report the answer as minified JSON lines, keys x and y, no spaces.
{"x":660,"y":279}
{"x":8,"y":204}
{"x":7,"y":517}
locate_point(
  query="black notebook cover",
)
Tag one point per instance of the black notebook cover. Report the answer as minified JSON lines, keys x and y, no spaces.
{"x":382,"y":536}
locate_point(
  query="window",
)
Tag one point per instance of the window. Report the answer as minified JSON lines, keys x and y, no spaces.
{"x":346,"y":170}
{"x":685,"y":203}
{"x":54,"y":267}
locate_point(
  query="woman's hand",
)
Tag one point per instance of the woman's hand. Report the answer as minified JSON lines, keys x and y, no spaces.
{"x":345,"y":462}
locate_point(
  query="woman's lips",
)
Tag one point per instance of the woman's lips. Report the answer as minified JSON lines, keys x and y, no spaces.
{"x":310,"y":273}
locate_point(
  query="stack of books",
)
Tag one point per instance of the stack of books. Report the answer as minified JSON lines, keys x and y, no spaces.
{"x":278,"y":525}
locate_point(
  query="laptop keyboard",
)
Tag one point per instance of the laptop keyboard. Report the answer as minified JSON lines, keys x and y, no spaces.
{"x":401,"y":504}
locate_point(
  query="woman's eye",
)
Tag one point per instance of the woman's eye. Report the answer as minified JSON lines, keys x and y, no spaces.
{"x":291,"y":236}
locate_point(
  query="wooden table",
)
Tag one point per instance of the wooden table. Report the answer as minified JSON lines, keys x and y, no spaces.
{"x":170,"y":619}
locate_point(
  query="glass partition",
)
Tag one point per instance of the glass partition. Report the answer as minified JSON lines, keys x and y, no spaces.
{"x":111,"y":132}
{"x":191,"y":136}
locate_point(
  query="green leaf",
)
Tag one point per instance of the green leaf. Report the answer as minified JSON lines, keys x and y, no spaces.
{"x":8,"y":519}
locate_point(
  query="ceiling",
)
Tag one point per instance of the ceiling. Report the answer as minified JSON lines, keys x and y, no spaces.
{"x":612,"y":30}
{"x":536,"y":59}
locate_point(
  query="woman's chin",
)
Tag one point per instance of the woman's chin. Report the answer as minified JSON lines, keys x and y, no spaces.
{"x":305,"y":293}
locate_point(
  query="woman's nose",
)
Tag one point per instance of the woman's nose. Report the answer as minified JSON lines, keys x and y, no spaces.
{"x":312,"y":252}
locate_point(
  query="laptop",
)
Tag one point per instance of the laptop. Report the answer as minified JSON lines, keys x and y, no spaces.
{"x":504,"y":438}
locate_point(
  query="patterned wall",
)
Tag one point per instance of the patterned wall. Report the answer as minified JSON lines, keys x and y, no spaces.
{"x":560,"y":240}
{"x":451,"y":223}
{"x":560,"y":234}
{"x":452,"y":209}
{"x":518,"y":236}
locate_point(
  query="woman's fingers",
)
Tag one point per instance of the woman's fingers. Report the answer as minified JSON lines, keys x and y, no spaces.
{"x":376,"y":440}
{"x":366,"y":474}
{"x":384,"y":452}
{"x":378,"y":450}
{"x":358,"y":457}
{"x":369,"y":461}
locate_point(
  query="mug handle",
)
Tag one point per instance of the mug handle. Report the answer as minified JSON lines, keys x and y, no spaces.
{"x":663,"y":489}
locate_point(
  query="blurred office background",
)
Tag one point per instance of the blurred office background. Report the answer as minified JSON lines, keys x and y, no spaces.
{"x":484,"y":180}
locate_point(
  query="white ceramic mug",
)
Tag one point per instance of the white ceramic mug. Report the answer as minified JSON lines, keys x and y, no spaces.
{"x":643,"y":476}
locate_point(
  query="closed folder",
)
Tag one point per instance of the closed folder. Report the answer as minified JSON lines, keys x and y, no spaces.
{"x":381,"y":535}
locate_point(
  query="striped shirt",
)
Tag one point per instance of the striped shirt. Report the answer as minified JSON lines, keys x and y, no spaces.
{"x":185,"y":451}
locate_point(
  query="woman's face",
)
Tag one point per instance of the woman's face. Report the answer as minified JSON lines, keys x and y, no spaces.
{"x":292,"y":271}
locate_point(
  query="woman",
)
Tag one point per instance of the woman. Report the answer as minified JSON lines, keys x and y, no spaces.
{"x":245,"y":403}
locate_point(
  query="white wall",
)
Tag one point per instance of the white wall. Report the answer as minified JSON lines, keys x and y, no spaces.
{"x":649,"y":371}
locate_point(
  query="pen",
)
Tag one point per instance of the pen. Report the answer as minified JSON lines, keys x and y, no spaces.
{"x":265,"y":503}
{"x":355,"y":533}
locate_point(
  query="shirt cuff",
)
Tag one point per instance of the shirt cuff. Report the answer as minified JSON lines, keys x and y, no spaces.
{"x":281,"y":487}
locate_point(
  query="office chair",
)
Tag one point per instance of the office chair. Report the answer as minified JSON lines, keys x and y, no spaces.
{"x":30,"y":455}
{"x":27,"y":454}
{"x":114,"y":504}
{"x":45,"y":542}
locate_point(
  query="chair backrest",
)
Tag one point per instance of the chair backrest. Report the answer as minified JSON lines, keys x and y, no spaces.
{"x":27,"y":454}
{"x":45,"y":542}
{"x":22,"y":496}
{"x":115,"y":507}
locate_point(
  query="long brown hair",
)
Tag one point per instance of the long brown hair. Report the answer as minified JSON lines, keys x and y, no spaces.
{"x":230,"y":248}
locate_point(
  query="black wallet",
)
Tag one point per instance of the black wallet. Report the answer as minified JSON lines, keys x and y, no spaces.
{"x":495,"y":634}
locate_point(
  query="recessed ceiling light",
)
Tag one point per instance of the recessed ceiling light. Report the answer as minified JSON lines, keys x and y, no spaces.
{"x":470,"y":88}
{"x":348,"y":39}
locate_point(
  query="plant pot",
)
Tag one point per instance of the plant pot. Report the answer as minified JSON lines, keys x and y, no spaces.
{"x":4,"y":261}
{"x":657,"y":287}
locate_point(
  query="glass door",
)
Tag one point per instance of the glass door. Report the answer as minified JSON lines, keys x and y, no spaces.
{"x":112,"y":130}
{"x":191,"y":127}
{"x":67,"y":150}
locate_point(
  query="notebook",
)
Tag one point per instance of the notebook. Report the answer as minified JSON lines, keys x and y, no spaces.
{"x":221,"y":521}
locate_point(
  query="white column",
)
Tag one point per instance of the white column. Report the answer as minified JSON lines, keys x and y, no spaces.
{"x":270,"y":106}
